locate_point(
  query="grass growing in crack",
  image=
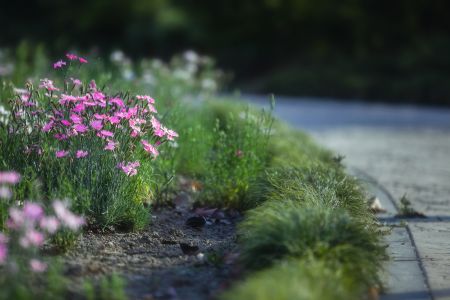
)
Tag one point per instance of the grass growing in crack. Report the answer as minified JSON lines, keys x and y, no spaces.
{"x":406,"y":210}
{"x":294,"y":279}
{"x":279,"y":230}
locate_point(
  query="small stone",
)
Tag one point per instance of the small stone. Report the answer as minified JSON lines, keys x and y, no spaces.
{"x":196,"y":222}
{"x":189,"y":249}
{"x":95,"y":268}
{"x":74,"y":271}
{"x":376,"y":206}
{"x":168,"y":242}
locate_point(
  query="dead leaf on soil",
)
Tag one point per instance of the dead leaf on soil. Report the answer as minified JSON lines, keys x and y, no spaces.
{"x":375,"y":206}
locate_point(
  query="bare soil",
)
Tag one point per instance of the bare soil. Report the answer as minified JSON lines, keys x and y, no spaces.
{"x":168,"y":260}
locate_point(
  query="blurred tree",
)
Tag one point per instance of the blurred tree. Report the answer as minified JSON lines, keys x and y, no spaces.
{"x":374,"y":42}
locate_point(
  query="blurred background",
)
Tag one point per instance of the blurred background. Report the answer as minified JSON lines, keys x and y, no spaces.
{"x":377,"y":50}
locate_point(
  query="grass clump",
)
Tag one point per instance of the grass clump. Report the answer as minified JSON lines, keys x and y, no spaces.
{"x":332,"y":186}
{"x":295,"y":279}
{"x":279,"y":230}
{"x":239,"y":155}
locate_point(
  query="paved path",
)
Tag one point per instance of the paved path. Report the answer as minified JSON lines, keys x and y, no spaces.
{"x":403,"y":150}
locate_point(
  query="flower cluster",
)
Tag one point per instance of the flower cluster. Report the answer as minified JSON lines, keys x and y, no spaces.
{"x":29,"y":226}
{"x":6,"y":179}
{"x":77,"y":111}
{"x":71,"y":57}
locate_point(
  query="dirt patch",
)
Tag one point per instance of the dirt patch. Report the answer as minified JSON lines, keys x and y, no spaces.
{"x":168,"y":260}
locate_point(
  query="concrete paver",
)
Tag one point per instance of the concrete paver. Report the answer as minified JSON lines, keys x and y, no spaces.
{"x":416,"y":163}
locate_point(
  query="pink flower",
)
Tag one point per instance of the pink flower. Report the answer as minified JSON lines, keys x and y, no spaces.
{"x":134,"y":133}
{"x":132,"y":111}
{"x":48,"y":85}
{"x":82,"y":60}
{"x":114,"y":120}
{"x":111,"y":145}
{"x":48,"y":126}
{"x":152,"y":109}
{"x":71,"y":56}
{"x":3,"y":251}
{"x":16,"y":218}
{"x":159,"y":132}
{"x":81,"y":154}
{"x":50,"y":224}
{"x":149,"y":148}
{"x":9,"y":177}
{"x":76,"y":82}
{"x":38,"y":266}
{"x":61,"y":153}
{"x":171,"y":134}
{"x":73,"y":222}
{"x":98,"y":96}
{"x":117,"y":101}
{"x":60,"y":136}
{"x":66,"y":217}
{"x":32,"y":237}
{"x":149,"y":99}
{"x":3,"y":238}
{"x":100,"y":116}
{"x":66,"y":98}
{"x":25,"y":98}
{"x":97,"y":125}
{"x":76,"y":119}
{"x":239,"y":153}
{"x":129,"y":169}
{"x":65,"y":123}
{"x":93,"y":85}
{"x":33,"y":211}
{"x":155,"y":123}
{"x":59,"y":64}
{"x":106,"y":133}
{"x":79,"y":108}
{"x":80,"y":128}
{"x":58,"y":113}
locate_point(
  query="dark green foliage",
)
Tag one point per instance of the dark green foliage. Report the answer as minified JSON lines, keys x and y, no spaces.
{"x":365,"y":49}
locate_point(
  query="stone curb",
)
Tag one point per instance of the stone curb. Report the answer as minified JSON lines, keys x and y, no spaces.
{"x":404,"y":277}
